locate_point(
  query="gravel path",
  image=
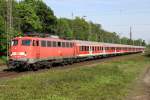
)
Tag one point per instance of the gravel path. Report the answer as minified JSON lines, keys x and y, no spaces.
{"x":141,"y":90}
{"x":2,"y":67}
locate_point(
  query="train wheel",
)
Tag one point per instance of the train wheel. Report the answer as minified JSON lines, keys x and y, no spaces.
{"x":49,"y":66}
{"x":33,"y":67}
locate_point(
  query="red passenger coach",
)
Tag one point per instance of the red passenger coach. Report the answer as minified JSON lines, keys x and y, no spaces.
{"x":32,"y":52}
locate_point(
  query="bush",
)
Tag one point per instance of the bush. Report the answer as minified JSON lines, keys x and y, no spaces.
{"x":3,"y":59}
{"x":147,"y":52}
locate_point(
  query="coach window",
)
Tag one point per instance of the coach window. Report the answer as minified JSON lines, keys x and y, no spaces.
{"x":87,"y":48}
{"x":71,"y":45}
{"x":63,"y":44}
{"x":92,"y":48}
{"x":59,"y":44}
{"x":54,"y":44}
{"x":107,"y":48}
{"x":82,"y":48}
{"x":49,"y":44}
{"x":95,"y":48}
{"x":26,"y":42}
{"x":43,"y":43}
{"x":37,"y":43}
{"x":67,"y":44}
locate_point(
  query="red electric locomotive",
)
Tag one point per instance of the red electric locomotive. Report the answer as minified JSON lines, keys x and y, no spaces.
{"x":32,"y":52}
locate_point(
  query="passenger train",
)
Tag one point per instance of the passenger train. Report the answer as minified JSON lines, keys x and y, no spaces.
{"x":34,"y":52}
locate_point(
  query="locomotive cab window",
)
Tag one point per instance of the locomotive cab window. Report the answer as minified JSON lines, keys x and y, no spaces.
{"x":26,"y":42}
{"x":14,"y":42}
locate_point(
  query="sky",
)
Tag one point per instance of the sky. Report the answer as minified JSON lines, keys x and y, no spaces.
{"x":114,"y":15}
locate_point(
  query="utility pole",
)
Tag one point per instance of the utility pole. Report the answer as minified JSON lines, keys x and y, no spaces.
{"x":89,"y":25}
{"x":130,"y":33}
{"x":120,"y":38}
{"x":9,"y":24}
{"x":131,"y":37}
{"x":72,"y":16}
{"x":90,"y":30}
{"x":72,"y":26}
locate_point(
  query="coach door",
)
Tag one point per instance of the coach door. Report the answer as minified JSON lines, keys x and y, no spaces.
{"x":90,"y":50}
{"x":36,"y":49}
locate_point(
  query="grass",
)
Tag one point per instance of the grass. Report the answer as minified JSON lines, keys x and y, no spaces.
{"x":110,"y":80}
{"x":147,"y":52}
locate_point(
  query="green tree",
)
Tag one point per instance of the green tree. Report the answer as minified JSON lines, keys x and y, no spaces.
{"x":30,"y":22}
{"x":46,"y":16}
{"x":3,"y":42}
{"x":63,"y":29}
{"x":124,"y":40}
{"x":80,"y":29}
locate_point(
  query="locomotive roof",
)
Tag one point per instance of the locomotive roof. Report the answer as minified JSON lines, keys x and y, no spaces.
{"x":39,"y":38}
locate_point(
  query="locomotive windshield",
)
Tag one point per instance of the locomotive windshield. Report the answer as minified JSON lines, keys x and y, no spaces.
{"x":14,"y":42}
{"x":26,"y":42}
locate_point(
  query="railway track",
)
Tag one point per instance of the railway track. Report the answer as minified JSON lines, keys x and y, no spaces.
{"x":11,"y":73}
{"x":7,"y":74}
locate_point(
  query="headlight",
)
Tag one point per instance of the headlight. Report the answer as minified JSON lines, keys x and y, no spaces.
{"x":18,"y":53}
